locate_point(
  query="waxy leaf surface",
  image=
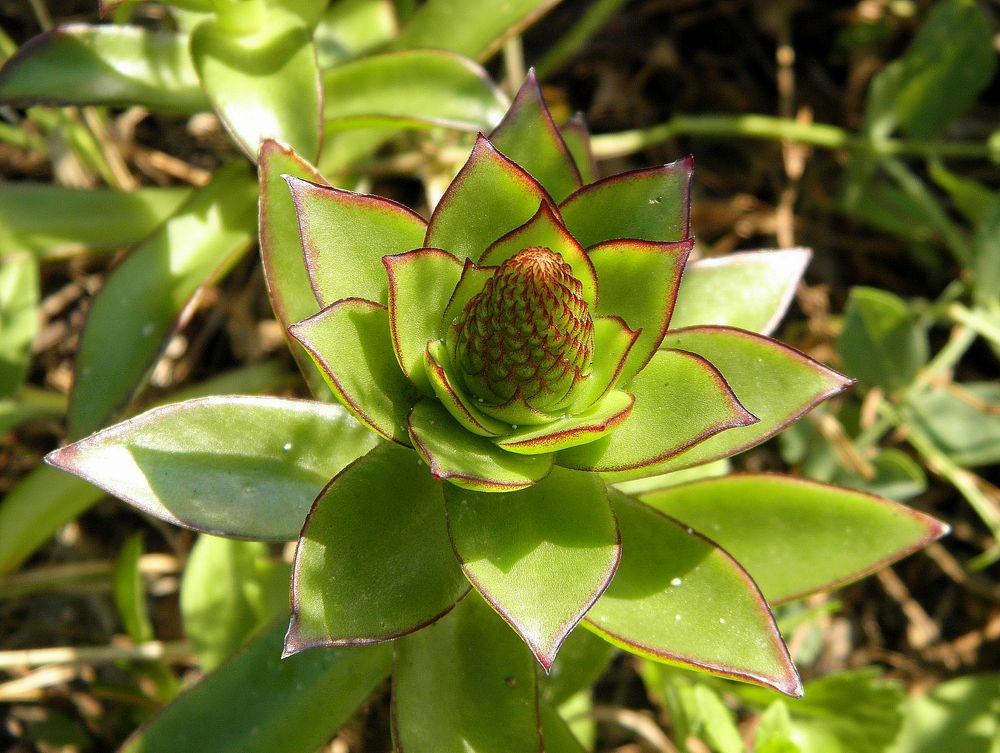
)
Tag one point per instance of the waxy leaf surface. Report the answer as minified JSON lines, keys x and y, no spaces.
{"x":576,"y":136}
{"x":143,"y":299}
{"x":374,"y":561}
{"x":104,"y":65}
{"x":795,"y":536}
{"x":465,"y":684}
{"x":678,"y":598}
{"x":247,"y":467}
{"x":261,"y":703}
{"x":749,"y":290}
{"x":540,"y":556}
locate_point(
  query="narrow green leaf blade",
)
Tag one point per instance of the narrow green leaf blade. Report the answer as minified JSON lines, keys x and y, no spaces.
{"x":541,"y":557}
{"x":794,"y":536}
{"x":465,"y":684}
{"x":374,"y":561}
{"x":959,"y":716}
{"x":142,"y":301}
{"x":353,"y":27}
{"x":964,"y":422}
{"x":247,"y":467}
{"x":260,"y":703}
{"x":18,"y":319}
{"x":130,"y":598}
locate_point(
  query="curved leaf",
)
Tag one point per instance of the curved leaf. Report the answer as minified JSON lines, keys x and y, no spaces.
{"x":794,"y":536}
{"x":580,"y":428}
{"x":439,"y":370}
{"x":374,"y":561}
{"x":541,"y":557}
{"x":247,"y":467}
{"x":576,"y":136}
{"x":680,"y":599}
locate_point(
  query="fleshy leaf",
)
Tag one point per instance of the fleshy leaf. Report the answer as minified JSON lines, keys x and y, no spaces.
{"x":639,"y":282}
{"x":420,"y":285}
{"x":468,"y":460}
{"x":285,"y":273}
{"x":350,"y":342}
{"x":438,"y":368}
{"x":776,"y":383}
{"x":613,"y":343}
{"x":374,"y":561}
{"x":680,"y":400}
{"x":576,"y":429}
{"x":541,"y":557}
{"x":464,"y":684}
{"x":247,"y":467}
{"x":344,"y":237}
{"x":795,"y":536}
{"x":529,"y":137}
{"x":471,"y":282}
{"x":545,"y":230}
{"x":576,"y":136}
{"x":264,"y":84}
{"x":680,"y":599}
{"x":489,"y":197}
{"x":653,"y":204}
{"x":104,"y":65}
{"x":749,"y":290}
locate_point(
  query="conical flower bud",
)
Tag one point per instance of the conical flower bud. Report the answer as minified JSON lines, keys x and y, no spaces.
{"x":528,"y":331}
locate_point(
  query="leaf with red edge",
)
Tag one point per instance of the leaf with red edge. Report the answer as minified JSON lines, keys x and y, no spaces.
{"x":344,"y":237}
{"x":569,"y":431}
{"x":542,"y":557}
{"x":420,"y":285}
{"x":438,"y":368}
{"x":468,"y":460}
{"x":680,"y":400}
{"x":471,"y":282}
{"x":576,"y":136}
{"x":613,"y":343}
{"x":489,"y":197}
{"x":350,"y":342}
{"x":776,"y":383}
{"x":795,"y":536}
{"x":544,"y":229}
{"x":652,"y":204}
{"x":678,"y":598}
{"x":374,"y":561}
{"x":529,"y":137}
{"x":639,"y":282}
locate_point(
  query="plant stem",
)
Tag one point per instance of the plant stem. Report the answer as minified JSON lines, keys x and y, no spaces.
{"x":35,"y":657}
{"x":595,"y":17}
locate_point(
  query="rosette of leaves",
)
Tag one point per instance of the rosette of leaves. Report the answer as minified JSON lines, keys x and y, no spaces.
{"x":531,"y":362}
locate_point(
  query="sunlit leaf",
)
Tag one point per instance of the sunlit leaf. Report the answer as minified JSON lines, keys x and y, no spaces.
{"x":18,"y":319}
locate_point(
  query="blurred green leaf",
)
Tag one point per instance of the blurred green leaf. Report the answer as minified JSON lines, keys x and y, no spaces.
{"x":144,"y":299}
{"x":556,"y":732}
{"x":54,"y":221}
{"x":350,"y":28}
{"x":469,"y":27}
{"x":582,"y":659}
{"x":718,"y":724}
{"x":30,"y":404}
{"x":972,"y":198}
{"x":774,"y":733}
{"x":958,"y":716}
{"x":986,"y":256}
{"x":897,"y":476}
{"x":130,"y":594}
{"x":230,"y":589}
{"x":261,"y":703}
{"x":881,"y":344}
{"x":964,"y":421}
{"x":18,"y":319}
{"x":106,"y":65}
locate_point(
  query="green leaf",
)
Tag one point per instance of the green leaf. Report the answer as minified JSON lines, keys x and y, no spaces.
{"x":247,"y":467}
{"x":130,"y":596}
{"x":468,"y":460}
{"x":104,"y":65}
{"x":143,"y":301}
{"x":639,"y":282}
{"x":351,"y":343}
{"x":465,"y":684}
{"x":260,"y":703}
{"x":582,"y":659}
{"x":580,"y":428}
{"x":556,"y":732}
{"x":264,"y":84}
{"x":774,"y":733}
{"x":51,"y":221}
{"x":528,"y":136}
{"x":794,"y":536}
{"x":350,"y":28}
{"x":577,"y":137}
{"x":653,"y":204}
{"x":881,"y":344}
{"x":437,"y":366}
{"x":680,"y":599}
{"x":416,"y":87}
{"x":958,"y":716}
{"x":374,"y":561}
{"x":344,"y":237}
{"x":18,"y":319}
{"x":897,"y":476}
{"x":774,"y":382}
{"x":482,"y":30}
{"x":970,"y":197}
{"x":986,"y":256}
{"x":542,"y":557}
{"x":718,"y":726}
{"x":229,"y":590}
{"x":964,"y":421}
{"x":288,"y":285}
{"x":680,"y":400}
{"x":489,"y":197}
{"x":31,"y":404}
{"x":420,"y":285}
{"x":750,"y":290}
